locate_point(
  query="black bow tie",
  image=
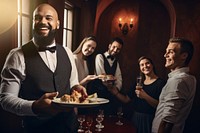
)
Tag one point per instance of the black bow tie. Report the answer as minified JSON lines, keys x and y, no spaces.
{"x":51,"y":49}
{"x":110,"y":57}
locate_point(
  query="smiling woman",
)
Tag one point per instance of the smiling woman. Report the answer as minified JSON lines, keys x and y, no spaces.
{"x":8,"y":9}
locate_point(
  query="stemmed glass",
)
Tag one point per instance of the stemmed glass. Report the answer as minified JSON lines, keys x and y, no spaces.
{"x":101,"y":114}
{"x":81,"y":119}
{"x":119,"y":114}
{"x":99,"y":119}
{"x":89,"y":121}
{"x":139,"y":82}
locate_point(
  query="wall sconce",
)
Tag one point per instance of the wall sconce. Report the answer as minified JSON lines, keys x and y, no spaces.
{"x":125,"y":27}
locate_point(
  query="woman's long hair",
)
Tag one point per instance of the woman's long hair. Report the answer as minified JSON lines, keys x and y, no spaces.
{"x":89,"y":59}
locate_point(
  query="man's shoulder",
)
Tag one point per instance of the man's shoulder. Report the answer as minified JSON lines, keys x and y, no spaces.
{"x":15,"y":51}
{"x":14,"y":55}
{"x":99,"y":55}
{"x":28,"y":43}
{"x":181,"y":79}
{"x":65,"y":48}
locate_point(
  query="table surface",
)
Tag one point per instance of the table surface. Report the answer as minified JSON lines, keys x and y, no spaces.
{"x":110,"y":126}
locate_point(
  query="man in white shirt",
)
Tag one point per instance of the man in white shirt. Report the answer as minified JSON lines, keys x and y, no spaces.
{"x":176,"y":98}
{"x":106,"y":63}
{"x":36,"y":73}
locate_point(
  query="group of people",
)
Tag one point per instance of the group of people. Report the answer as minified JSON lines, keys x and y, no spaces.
{"x":34,"y":74}
{"x":90,"y":67}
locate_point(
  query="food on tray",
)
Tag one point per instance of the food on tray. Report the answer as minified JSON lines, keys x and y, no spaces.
{"x":93,"y":96}
{"x":105,"y":77}
{"x":76,"y":97}
{"x":110,"y":77}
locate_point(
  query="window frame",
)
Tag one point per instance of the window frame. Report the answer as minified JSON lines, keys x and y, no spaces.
{"x":68,"y":25}
{"x":23,"y":37}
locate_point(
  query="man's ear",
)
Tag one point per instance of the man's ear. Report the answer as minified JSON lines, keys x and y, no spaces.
{"x":109,"y":46}
{"x":58,"y":24}
{"x":184,"y":55}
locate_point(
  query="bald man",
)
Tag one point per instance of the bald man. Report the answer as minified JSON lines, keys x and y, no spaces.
{"x":34,"y":74}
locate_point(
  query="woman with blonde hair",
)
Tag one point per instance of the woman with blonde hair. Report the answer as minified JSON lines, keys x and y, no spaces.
{"x":84,"y":59}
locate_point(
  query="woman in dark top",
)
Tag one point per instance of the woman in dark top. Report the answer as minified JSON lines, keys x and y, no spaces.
{"x":144,"y":100}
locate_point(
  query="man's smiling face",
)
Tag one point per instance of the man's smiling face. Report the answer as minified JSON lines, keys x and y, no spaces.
{"x":45,"y":23}
{"x":174,"y":57}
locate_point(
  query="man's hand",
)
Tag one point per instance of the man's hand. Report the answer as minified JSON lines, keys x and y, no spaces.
{"x":43,"y":106}
{"x":82,"y":90}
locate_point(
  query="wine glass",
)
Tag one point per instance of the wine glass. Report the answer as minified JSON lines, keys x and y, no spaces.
{"x":119,"y":114}
{"x":89,"y":121}
{"x":101,"y":114}
{"x":81,"y":119}
{"x":139,"y":82}
{"x":99,"y":119}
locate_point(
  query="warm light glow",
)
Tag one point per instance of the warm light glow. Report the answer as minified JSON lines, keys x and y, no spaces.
{"x":120,"y":20}
{"x":131,"y":21}
{"x":125,"y":27}
{"x":120,"y":24}
{"x":8,"y":11}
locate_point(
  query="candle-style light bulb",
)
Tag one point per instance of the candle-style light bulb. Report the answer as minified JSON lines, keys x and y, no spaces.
{"x":120,"y":24}
{"x":120,"y":19}
{"x":131,"y":23}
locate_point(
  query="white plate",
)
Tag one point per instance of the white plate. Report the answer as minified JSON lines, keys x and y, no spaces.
{"x":93,"y":102}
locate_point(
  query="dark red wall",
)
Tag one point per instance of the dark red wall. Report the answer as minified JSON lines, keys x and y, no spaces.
{"x":148,"y":36}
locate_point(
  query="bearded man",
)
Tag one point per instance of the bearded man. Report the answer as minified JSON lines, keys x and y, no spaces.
{"x":34,"y":74}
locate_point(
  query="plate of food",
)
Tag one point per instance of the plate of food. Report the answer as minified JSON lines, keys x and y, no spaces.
{"x":107,"y":78}
{"x":75,"y":100}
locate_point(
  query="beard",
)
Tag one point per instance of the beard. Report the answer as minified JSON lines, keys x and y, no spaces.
{"x":112,"y":54}
{"x":44,"y":41}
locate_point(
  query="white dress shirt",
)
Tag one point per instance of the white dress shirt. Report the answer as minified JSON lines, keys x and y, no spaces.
{"x":81,"y":67}
{"x":13,"y":73}
{"x":99,"y":66}
{"x":175,"y":101}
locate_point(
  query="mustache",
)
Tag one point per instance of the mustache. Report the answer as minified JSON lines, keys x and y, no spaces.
{"x":37,"y":27}
{"x":44,"y":40}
